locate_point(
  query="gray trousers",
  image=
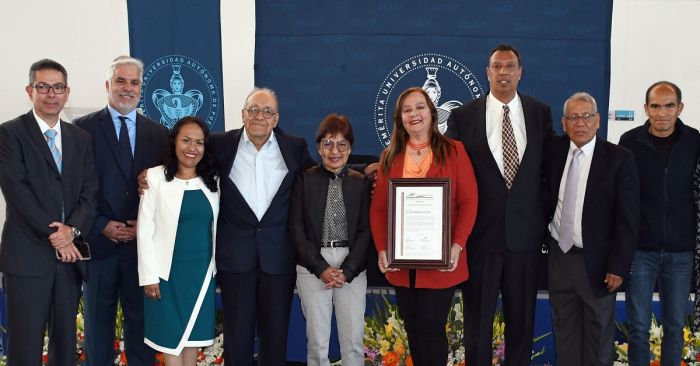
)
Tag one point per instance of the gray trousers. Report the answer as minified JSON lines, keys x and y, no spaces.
{"x":584,"y":325}
{"x":317,"y":303}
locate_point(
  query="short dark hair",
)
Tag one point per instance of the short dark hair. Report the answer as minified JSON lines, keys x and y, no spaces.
{"x":504,"y":47}
{"x":46,"y":64}
{"x":335,"y":124}
{"x":206,"y":168}
{"x":668,"y":83}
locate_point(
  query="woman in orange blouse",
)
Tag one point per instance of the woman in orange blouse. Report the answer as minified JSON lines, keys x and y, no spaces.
{"x":418,"y":150}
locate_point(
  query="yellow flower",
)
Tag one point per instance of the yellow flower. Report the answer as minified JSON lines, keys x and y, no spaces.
{"x":383,"y":347}
{"x":399,"y":348}
{"x":388,"y":328}
{"x":686,"y":334}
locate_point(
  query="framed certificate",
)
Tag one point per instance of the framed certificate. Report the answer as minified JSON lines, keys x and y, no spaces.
{"x":419,"y":223}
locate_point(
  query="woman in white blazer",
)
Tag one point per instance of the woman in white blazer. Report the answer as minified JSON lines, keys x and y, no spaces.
{"x":176,"y":233}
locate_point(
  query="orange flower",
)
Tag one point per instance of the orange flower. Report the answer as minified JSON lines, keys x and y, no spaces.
{"x":390,"y":359}
{"x":655,"y":363}
{"x":160,"y":359}
{"x":463,"y":363}
{"x":44,"y":359}
{"x":399,"y":348}
{"x":122,"y":358}
{"x":219,"y":361}
{"x":409,"y":361}
{"x":683,"y":363}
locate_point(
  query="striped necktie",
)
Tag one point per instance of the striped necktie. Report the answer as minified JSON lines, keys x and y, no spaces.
{"x":51,"y":140}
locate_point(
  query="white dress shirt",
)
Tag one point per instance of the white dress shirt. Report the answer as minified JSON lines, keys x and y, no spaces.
{"x":494,"y":127}
{"x":45,"y":127}
{"x":585,"y":168}
{"x":258,"y":174}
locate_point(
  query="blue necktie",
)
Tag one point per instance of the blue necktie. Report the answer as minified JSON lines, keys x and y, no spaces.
{"x":125,"y":156}
{"x":51,"y":140}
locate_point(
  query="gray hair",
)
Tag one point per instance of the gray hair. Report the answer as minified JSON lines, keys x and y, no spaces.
{"x":581,"y":97}
{"x":263,"y":90}
{"x":125,"y":60}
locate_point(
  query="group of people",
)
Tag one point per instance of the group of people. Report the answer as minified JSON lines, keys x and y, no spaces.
{"x":168,"y":215}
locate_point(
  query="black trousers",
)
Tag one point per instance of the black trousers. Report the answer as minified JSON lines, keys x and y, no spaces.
{"x":32,"y":302}
{"x":250,"y":299}
{"x":514,"y":275}
{"x":424,"y":312}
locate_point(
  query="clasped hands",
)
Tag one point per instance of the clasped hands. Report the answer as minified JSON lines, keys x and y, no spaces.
{"x":333,"y":277}
{"x":119,"y":231}
{"x":62,"y":241}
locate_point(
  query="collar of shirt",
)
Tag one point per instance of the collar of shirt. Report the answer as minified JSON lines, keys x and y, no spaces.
{"x":130,"y":118}
{"x":271,"y":141}
{"x":333,"y":175}
{"x":587,"y":148}
{"x":43,"y":126}
{"x":496,"y":105}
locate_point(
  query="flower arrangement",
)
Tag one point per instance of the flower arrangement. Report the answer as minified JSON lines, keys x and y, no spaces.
{"x":386,"y":342}
{"x":691,"y":344}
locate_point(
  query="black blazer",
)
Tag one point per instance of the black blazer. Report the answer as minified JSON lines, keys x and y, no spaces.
{"x":505,"y":221}
{"x":242,"y":241}
{"x":117,"y":198}
{"x":36,"y":193}
{"x":610,"y":218}
{"x":307,"y":214}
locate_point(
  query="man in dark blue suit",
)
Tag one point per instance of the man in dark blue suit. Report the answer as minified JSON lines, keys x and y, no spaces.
{"x":125,"y":143}
{"x":47,"y":175}
{"x":254,"y":256}
{"x":594,"y":221}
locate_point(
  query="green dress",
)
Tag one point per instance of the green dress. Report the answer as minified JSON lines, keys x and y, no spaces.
{"x":185,"y":314}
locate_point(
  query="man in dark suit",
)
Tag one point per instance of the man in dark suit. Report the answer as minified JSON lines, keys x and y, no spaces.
{"x":47,"y":175}
{"x":254,"y":256}
{"x":504,"y":133}
{"x":594,"y":220}
{"x":125,"y":143}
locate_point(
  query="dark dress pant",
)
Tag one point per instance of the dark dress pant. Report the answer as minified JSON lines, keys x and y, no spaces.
{"x":424,"y":312}
{"x":514,"y":276}
{"x":253,"y":299}
{"x":114,"y":280}
{"x":32,"y":302}
{"x":584,"y":324}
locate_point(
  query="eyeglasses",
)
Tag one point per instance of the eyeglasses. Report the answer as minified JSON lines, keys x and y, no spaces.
{"x":328,"y":145}
{"x":43,"y":88}
{"x":586,"y":117}
{"x":267,"y":112}
{"x":667,"y":107}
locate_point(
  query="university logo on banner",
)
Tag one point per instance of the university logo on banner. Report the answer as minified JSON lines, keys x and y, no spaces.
{"x":446,"y":80}
{"x":176,"y":86}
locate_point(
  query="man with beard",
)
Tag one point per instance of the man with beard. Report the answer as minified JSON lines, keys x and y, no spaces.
{"x":125,"y":143}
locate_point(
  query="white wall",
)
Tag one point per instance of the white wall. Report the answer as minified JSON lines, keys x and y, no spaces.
{"x":653,"y":40}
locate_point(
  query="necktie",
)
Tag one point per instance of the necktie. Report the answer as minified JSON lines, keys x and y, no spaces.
{"x":568,"y":205}
{"x":51,"y":140}
{"x":510,"y":149}
{"x":125,"y":156}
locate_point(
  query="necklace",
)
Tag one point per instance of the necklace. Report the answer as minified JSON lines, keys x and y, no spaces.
{"x":418,"y":147}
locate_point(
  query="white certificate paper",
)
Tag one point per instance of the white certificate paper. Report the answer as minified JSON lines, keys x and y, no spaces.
{"x":418,"y":229}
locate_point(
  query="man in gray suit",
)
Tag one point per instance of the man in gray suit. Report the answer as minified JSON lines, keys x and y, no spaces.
{"x":47,"y":175}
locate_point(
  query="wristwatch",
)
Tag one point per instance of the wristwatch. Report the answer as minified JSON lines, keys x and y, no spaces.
{"x":74,"y":231}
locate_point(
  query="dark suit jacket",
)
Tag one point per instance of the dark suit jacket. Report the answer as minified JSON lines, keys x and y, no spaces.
{"x":307,"y":216}
{"x":505,"y":221}
{"x":610,"y":218}
{"x":36,"y":193}
{"x":242,"y":241}
{"x":118,"y":199}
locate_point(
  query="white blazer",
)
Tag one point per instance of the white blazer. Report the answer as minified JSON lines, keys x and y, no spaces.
{"x":159,"y":212}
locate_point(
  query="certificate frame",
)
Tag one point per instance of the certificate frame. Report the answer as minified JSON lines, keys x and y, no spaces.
{"x":419,"y":211}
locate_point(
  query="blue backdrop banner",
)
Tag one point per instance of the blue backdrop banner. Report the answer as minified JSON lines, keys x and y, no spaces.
{"x":180,"y":44}
{"x":355,"y":57}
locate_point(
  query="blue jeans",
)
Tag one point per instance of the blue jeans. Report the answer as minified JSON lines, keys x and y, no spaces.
{"x":674,"y":272}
